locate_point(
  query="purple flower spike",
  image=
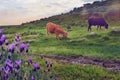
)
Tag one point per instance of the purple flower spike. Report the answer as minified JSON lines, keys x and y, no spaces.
{"x":1,"y":42}
{"x":6,"y":72}
{"x":18,"y":62}
{"x":2,"y":48}
{"x":36,"y":66}
{"x":22,"y":47}
{"x":46,"y":61}
{"x":16,"y":72}
{"x":11,"y":48}
{"x":1,"y":32}
{"x":50,"y":63}
{"x":6,"y":42}
{"x":17,"y":38}
{"x":27,"y":47}
{"x":0,"y":56}
{"x":9,"y":55}
{"x":32,"y":78}
{"x":56,"y":78}
{"x":2,"y":39}
{"x":10,"y":64}
{"x":17,"y":43}
{"x":5,"y":76}
{"x":29,"y":61}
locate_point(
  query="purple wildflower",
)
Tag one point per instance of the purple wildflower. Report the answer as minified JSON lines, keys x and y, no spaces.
{"x":1,"y":42}
{"x":2,"y":39}
{"x":1,"y":33}
{"x":56,"y":78}
{"x":9,"y":55}
{"x":8,"y":61}
{"x":36,"y":66}
{"x":16,"y":72}
{"x":10,"y":64}
{"x":0,"y":56}
{"x":29,"y":61}
{"x":32,"y":78}
{"x":17,"y":43}
{"x":11,"y":48}
{"x":6,"y":42}
{"x":27,"y":47}
{"x":17,"y":38}
{"x":48,"y":70}
{"x":22,"y":47}
{"x":18,"y":62}
{"x":2,"y":47}
{"x":50,"y":64}
{"x":1,"y":69}
{"x":6,"y":74}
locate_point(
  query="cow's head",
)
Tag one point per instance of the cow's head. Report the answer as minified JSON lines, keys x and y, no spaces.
{"x":106,"y":26}
{"x":65,"y":35}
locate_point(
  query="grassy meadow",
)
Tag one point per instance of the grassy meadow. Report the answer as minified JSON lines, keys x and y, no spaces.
{"x":102,"y":45}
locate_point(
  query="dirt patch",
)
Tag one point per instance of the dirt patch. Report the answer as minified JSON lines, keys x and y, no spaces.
{"x":83,"y":60}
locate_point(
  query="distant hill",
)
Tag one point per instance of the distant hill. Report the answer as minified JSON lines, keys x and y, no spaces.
{"x":109,"y":9}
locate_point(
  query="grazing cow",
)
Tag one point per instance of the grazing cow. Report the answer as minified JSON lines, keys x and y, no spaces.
{"x":97,"y":21}
{"x":52,"y":28}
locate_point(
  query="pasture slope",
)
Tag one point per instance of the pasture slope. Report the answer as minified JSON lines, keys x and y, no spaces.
{"x":104,"y":46}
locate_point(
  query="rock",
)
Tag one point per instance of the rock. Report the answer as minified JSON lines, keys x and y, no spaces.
{"x":30,"y":41}
{"x":105,"y":37}
{"x":82,"y":39}
{"x":78,"y":40}
{"x":93,"y":34}
{"x":115,"y":32}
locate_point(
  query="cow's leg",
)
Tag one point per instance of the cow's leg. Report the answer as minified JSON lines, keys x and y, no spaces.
{"x":98,"y":27}
{"x":57,"y":36}
{"x":89,"y":28}
{"x":47,"y":33}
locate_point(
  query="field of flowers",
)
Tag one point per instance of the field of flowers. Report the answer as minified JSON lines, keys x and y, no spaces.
{"x":16,"y":65}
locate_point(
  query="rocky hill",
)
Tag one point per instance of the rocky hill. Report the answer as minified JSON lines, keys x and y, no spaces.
{"x":109,"y":9}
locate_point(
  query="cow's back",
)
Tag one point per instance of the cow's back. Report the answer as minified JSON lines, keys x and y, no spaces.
{"x":97,"y":21}
{"x":51,"y":27}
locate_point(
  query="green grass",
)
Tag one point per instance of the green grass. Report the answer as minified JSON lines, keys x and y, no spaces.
{"x":77,"y":72}
{"x":103,"y":45}
{"x":79,"y":43}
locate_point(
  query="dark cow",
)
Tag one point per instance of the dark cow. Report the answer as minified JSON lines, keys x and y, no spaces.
{"x":97,"y":21}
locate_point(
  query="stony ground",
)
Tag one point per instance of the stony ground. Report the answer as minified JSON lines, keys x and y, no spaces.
{"x":83,"y":60}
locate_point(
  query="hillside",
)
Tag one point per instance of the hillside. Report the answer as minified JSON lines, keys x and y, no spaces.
{"x":109,"y":9}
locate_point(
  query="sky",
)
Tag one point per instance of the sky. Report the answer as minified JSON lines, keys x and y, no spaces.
{"x":15,"y":12}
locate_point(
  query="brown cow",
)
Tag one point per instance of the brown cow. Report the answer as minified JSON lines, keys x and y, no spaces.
{"x":52,"y":28}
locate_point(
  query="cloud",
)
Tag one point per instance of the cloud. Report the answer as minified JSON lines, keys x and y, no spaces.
{"x":19,"y":11}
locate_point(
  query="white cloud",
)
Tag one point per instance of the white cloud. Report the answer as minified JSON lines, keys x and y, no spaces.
{"x":18,"y":11}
